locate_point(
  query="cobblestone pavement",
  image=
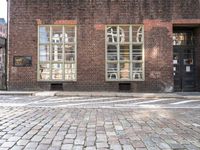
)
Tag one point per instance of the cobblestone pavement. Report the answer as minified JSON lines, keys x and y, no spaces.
{"x":54,"y":123}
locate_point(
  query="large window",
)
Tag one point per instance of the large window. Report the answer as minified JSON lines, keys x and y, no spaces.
{"x":124,"y":51}
{"x":57,"y":53}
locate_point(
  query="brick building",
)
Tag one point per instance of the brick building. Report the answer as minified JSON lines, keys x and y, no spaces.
{"x":104,"y":45}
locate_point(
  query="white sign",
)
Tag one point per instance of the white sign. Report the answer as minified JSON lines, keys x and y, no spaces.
{"x":175,"y":62}
{"x":188,"y":69}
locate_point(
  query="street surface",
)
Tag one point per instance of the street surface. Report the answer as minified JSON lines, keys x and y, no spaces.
{"x":118,"y":123}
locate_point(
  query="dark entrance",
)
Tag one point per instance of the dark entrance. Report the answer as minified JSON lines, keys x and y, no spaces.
{"x":183,"y":60}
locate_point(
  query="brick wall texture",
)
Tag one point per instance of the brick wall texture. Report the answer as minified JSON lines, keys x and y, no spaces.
{"x":158,"y":17}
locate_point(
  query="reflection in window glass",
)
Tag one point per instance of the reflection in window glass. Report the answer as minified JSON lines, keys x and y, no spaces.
{"x":112,"y":71}
{"x":137,"y":71}
{"x":55,"y":53}
{"x":57,"y":71}
{"x":112,"y":52}
{"x":112,"y":34}
{"x":70,"y":52}
{"x":137,"y":52}
{"x":70,"y":71}
{"x":44,"y":70}
{"x":44,"y":53}
{"x":44,"y":33}
{"x":183,"y":38}
{"x":137,"y":34}
{"x":57,"y":34}
{"x":69,"y":34}
{"x":125,"y":70}
{"x":124,"y":34}
{"x":125,"y":52}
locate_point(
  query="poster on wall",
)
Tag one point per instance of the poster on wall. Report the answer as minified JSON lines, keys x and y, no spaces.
{"x":22,"y":61}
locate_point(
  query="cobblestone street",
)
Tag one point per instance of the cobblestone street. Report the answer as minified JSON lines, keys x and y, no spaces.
{"x":54,"y":123}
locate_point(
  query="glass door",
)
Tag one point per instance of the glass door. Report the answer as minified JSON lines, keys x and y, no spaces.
{"x":183,"y":61}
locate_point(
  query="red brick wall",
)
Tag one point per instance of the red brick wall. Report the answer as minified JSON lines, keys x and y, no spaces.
{"x":91,"y":16}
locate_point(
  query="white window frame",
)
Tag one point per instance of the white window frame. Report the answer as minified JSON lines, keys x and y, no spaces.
{"x":63,"y":62}
{"x":131,"y":43}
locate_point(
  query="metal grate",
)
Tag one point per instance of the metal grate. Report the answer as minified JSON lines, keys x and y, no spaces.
{"x":124,"y":86}
{"x":57,"y":87}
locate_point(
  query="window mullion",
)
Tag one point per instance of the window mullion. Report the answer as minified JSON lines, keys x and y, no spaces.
{"x":38,"y":55}
{"x":143,"y":55}
{"x":118,"y":53}
{"x":75,"y":52}
{"x":63,"y":54}
{"x":50,"y":42}
{"x":131,"y":54}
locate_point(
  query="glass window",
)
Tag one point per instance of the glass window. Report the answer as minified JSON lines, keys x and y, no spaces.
{"x":57,"y":53}
{"x":125,"y":53}
{"x":184,"y":38}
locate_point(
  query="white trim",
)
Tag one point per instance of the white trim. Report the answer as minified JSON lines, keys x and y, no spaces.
{"x":63,"y":62}
{"x":118,"y":61}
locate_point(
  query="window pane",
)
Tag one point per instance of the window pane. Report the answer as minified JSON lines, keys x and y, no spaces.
{"x":44,"y":51}
{"x":124,"y":52}
{"x":124,"y":34}
{"x":69,"y":53}
{"x":57,"y":35}
{"x":57,"y":53}
{"x":137,"y":34}
{"x":44,"y":71}
{"x":182,"y":39}
{"x":57,"y":47}
{"x":57,"y":71}
{"x":137,"y":52}
{"x":44,"y":35}
{"x":70,"y":71}
{"x":69,"y":34}
{"x":125,"y":70}
{"x":112,"y":52}
{"x":112,"y":70}
{"x":112,"y":34}
{"x":137,"y":71}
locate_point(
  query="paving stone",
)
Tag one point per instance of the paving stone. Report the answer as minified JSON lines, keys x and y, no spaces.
{"x":77,"y":147}
{"x":90,"y":148}
{"x":1,"y":148}
{"x":177,"y":146}
{"x":101,"y":145}
{"x":79,"y":142}
{"x":66,"y":146}
{"x":56,"y":143}
{"x":2,"y":141}
{"x":115,"y":147}
{"x":137,"y":144}
{"x":68,"y":141}
{"x":22,"y":142}
{"x":37,"y":138}
{"x":70,"y":136}
{"x":42,"y":147}
{"x":54,"y":148}
{"x":31,"y":145}
{"x":128,"y":147}
{"x":164,"y":146}
{"x":8,"y":144}
{"x":17,"y":147}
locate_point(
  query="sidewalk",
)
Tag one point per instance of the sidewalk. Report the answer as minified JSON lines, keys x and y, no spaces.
{"x":193,"y":95}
